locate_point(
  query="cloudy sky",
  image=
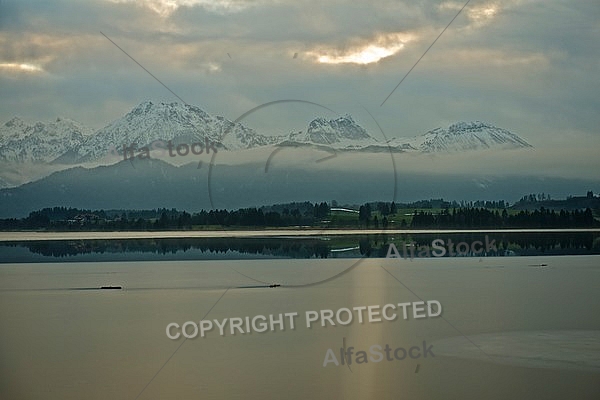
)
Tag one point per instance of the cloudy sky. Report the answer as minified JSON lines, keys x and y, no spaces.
{"x":530,"y":66}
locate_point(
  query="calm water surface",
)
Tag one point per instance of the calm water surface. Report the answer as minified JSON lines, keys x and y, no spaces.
{"x":511,"y":327}
{"x":82,"y":246}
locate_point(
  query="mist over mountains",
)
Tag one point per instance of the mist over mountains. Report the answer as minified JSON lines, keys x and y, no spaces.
{"x":68,"y":142}
{"x":332,"y":159}
{"x":149,"y":184}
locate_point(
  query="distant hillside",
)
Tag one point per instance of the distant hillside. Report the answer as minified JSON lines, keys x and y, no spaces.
{"x":149,"y":184}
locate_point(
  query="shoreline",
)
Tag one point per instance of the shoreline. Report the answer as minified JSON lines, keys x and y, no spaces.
{"x":27,"y":236}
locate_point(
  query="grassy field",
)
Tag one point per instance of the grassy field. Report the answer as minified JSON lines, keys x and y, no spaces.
{"x":401,"y":219}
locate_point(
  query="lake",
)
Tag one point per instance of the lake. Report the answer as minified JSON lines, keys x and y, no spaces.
{"x":510,"y":327}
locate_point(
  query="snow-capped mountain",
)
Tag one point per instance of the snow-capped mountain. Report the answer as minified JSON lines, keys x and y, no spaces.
{"x":40,"y":142}
{"x":181,"y":123}
{"x":340,"y":133}
{"x":462,"y":136}
{"x":32,"y":151}
{"x":345,"y":134}
{"x":67,"y":142}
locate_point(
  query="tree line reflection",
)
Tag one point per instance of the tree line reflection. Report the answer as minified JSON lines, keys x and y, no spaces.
{"x":375,"y":245}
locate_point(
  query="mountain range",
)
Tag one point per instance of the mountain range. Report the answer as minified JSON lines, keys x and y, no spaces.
{"x":64,"y":163}
{"x":65,"y":141}
{"x":153,"y":183}
{"x":40,"y":142}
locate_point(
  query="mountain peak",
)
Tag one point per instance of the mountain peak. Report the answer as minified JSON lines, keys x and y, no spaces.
{"x":165,"y":110}
{"x":473,"y":135}
{"x":40,"y":141}
{"x":463,"y":126}
{"x":337,"y":131}
{"x":149,"y":122}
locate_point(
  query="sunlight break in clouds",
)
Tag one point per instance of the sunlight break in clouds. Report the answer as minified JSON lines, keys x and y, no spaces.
{"x":368,"y":55}
{"x":20,"y":67}
{"x":384,"y":46}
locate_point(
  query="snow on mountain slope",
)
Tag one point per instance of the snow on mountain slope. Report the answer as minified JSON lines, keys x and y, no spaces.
{"x":464,"y":136}
{"x":181,"y":123}
{"x":341,"y":133}
{"x":345,"y":134}
{"x":41,"y":142}
{"x":68,"y":142}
